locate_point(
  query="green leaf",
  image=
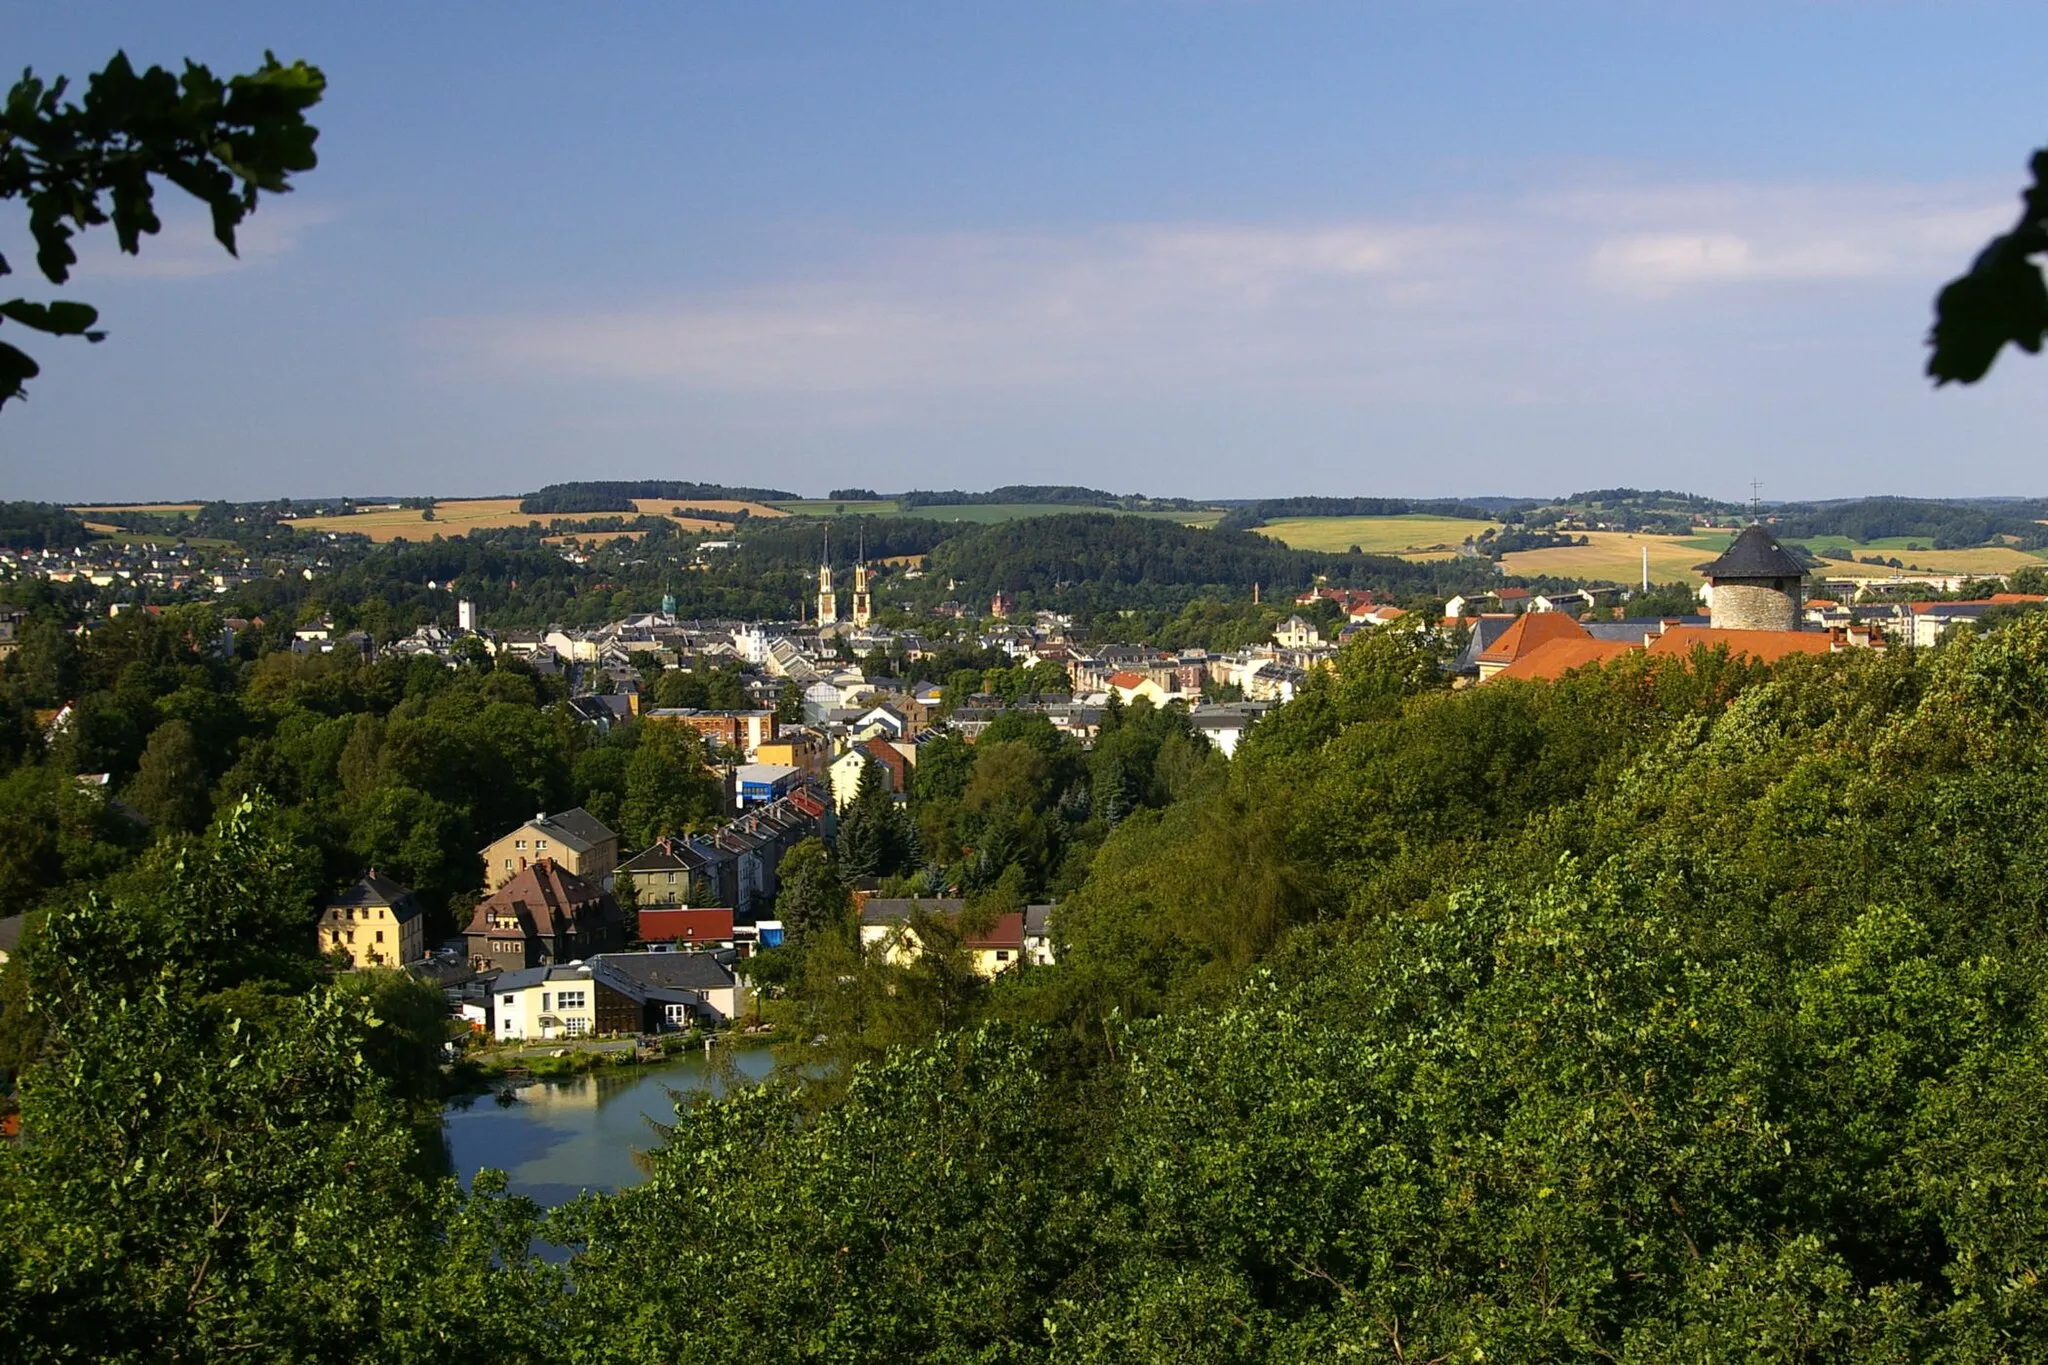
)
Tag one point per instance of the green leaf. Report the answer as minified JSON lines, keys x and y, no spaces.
{"x":16,"y":368}
{"x":61,"y":318}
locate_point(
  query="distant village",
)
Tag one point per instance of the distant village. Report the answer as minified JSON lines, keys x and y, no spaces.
{"x":552,"y":953}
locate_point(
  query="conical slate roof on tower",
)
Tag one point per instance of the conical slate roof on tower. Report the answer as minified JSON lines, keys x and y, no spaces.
{"x":1756,"y":553}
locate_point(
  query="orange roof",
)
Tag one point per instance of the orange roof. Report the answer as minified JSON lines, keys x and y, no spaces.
{"x":1127,"y":679}
{"x":1555,"y":658}
{"x":1530,"y":631}
{"x":2017,"y":597}
{"x":1765,"y":646}
{"x":1822,"y":602}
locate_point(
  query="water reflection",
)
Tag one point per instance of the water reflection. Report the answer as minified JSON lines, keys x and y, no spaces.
{"x":555,"y":1139}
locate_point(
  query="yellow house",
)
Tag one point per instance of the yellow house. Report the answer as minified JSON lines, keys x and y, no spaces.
{"x":1131,"y":686}
{"x":889,"y":927}
{"x":804,"y":749}
{"x":575,"y":840}
{"x":376,"y":922}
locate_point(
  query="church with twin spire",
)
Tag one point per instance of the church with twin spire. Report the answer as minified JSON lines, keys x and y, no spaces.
{"x":862,"y":612}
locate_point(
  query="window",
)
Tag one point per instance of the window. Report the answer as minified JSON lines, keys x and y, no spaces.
{"x":351,"y":936}
{"x":544,"y":1000}
{"x":539,"y":844}
{"x":510,"y":998}
{"x":671,"y":879}
{"x":380,"y":936}
{"x":573,"y":1027}
{"x":568,"y":1000}
{"x":508,"y":864}
{"x":519,"y":843}
{"x":1002,"y":954}
{"x":676,"y":1014}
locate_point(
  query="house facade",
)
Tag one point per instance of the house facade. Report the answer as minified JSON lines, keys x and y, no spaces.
{"x":545,"y":915}
{"x":668,"y":873}
{"x":890,"y":928}
{"x":616,"y":993}
{"x":574,"y":840}
{"x":377,"y":922}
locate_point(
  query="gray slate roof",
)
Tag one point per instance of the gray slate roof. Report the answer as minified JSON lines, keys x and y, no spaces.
{"x":1756,"y":553}
{"x":665,"y":971}
{"x":900,"y":911}
{"x":577,"y":828}
{"x":377,"y":889}
{"x":1635,"y":628}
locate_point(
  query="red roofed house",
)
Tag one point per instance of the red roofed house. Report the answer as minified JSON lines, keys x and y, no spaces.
{"x":1765,"y":646}
{"x":692,"y":929}
{"x":545,"y":914}
{"x":1530,"y":630}
{"x":1131,"y":686}
{"x":1930,"y":619}
{"x":1555,"y":658}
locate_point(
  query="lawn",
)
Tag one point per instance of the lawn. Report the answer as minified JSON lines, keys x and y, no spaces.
{"x":826,"y":507}
{"x":1411,"y":537}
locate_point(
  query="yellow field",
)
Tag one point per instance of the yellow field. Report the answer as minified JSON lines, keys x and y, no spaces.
{"x":1412,"y":537}
{"x":1618,"y":556}
{"x":1987,"y":559}
{"x":655,"y":507}
{"x":459,"y":516}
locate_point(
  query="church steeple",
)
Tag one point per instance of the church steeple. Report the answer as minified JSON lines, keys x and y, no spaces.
{"x":828,"y":606}
{"x":863,"y":607}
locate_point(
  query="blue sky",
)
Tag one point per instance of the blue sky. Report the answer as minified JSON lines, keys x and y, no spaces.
{"x":1201,"y":247}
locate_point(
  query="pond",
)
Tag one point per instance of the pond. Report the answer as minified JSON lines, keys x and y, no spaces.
{"x":555,"y":1139}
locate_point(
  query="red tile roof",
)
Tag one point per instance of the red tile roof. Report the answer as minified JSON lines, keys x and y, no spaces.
{"x":1529,"y":631}
{"x":1555,"y":658}
{"x":1765,"y":646}
{"x":1126,"y":679}
{"x":1006,"y":932}
{"x":686,"y":926}
{"x":547,"y":899}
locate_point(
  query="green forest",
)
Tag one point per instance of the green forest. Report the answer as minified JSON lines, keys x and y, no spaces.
{"x":1677,"y":1010}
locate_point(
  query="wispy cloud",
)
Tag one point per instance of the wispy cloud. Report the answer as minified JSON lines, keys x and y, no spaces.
{"x":1478,"y":297}
{"x":186,"y":248}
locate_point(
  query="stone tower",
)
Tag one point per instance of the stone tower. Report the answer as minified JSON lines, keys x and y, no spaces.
{"x":828,"y":603}
{"x":863,"y":606}
{"x":1756,"y":584}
